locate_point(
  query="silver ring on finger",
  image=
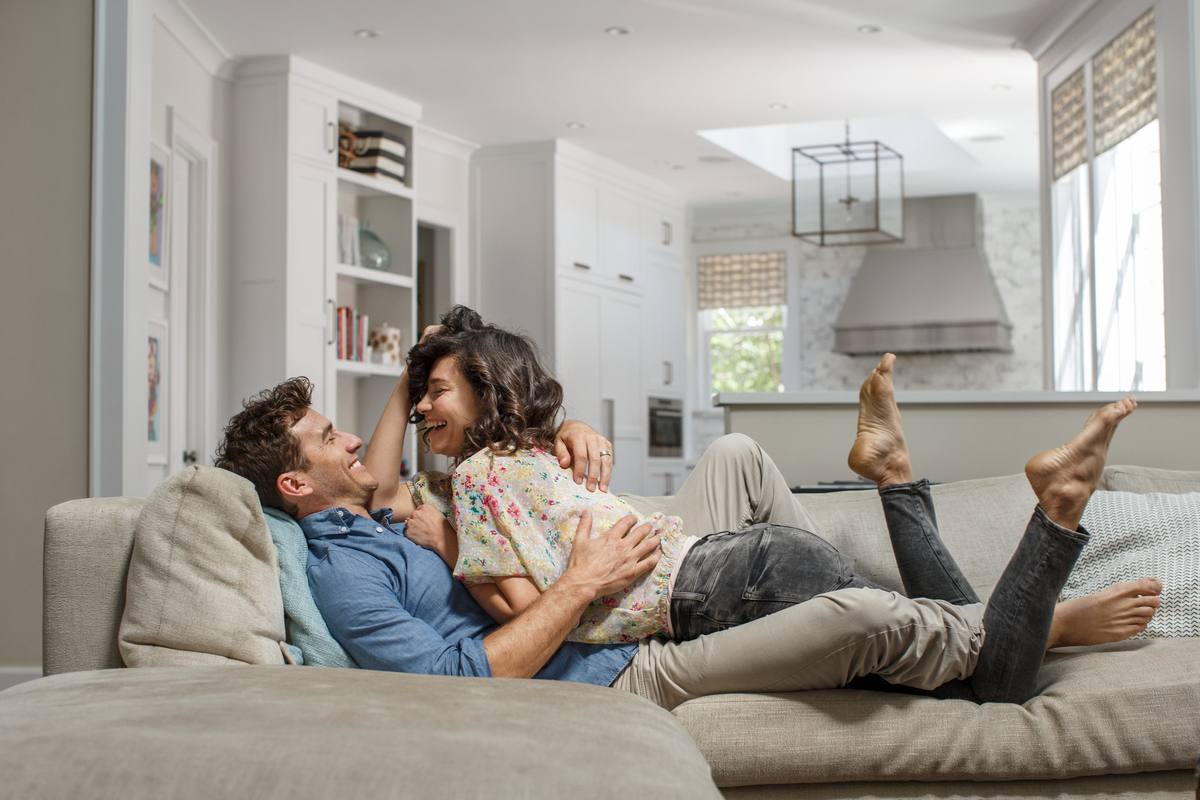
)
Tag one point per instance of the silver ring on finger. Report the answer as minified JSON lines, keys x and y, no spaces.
{"x":604,"y":453}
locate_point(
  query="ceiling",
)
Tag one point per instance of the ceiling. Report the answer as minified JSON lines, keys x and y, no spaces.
{"x":504,"y":71}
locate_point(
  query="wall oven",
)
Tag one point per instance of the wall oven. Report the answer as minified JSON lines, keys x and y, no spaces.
{"x":666,"y":428}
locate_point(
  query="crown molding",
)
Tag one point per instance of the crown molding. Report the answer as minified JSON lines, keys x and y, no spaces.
{"x":181,"y":23}
{"x":1042,"y":37}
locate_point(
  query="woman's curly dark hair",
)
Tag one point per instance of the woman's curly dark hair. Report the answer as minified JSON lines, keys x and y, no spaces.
{"x":519,"y":402}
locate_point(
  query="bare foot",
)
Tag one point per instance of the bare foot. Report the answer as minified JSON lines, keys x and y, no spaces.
{"x":1112,"y":615}
{"x":880,"y":453}
{"x":1064,"y":478}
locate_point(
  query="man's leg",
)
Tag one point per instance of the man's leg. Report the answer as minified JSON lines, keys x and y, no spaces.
{"x":735,"y":485}
{"x":820,"y":644}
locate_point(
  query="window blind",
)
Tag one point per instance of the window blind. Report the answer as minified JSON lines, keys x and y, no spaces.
{"x":742,"y":280}
{"x":1068,"y":104}
{"x":1124,"y":84}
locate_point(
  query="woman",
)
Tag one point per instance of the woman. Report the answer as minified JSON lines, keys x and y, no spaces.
{"x":487,"y":403}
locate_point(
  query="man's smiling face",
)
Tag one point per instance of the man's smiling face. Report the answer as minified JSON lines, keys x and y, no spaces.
{"x":334,"y":473}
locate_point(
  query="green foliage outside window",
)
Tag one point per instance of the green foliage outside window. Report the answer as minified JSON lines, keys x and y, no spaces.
{"x":746,"y":349}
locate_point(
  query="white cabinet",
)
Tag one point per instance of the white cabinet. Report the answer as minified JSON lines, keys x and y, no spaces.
{"x":664,"y":477}
{"x":600,"y":335}
{"x":665,"y":324}
{"x":289,"y":281}
{"x":562,"y":253}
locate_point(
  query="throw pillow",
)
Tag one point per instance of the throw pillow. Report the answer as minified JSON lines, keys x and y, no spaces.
{"x":309,"y":640}
{"x":1145,"y":536}
{"x":203,"y":585}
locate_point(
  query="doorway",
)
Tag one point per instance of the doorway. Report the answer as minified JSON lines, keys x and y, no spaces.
{"x":435,"y":260}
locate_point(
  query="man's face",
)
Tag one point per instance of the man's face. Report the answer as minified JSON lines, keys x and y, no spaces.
{"x":334,"y":472}
{"x":449,"y":406}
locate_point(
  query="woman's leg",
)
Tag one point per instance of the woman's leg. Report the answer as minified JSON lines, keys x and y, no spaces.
{"x":729,"y":579}
{"x":1021,"y":610}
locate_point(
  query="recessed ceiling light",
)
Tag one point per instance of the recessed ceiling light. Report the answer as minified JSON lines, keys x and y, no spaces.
{"x":868,"y":29}
{"x":989,"y":137}
{"x":367,"y":33}
{"x":617,"y":30}
{"x":577,"y":125}
{"x":1001,"y":87}
{"x":779,"y":106}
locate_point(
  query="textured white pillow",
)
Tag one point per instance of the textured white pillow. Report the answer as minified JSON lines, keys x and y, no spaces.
{"x":1145,"y":536}
{"x":203,"y":584}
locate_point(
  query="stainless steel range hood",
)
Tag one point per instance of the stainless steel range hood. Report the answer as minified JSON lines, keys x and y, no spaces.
{"x":932,"y":293}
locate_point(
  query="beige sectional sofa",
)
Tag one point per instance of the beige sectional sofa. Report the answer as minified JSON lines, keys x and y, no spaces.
{"x":1114,"y":720}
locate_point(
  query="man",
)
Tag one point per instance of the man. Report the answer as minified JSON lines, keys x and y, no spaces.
{"x":394,"y":605}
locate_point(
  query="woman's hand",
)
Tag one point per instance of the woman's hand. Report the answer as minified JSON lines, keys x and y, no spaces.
{"x":587,"y":452}
{"x":429,"y":529}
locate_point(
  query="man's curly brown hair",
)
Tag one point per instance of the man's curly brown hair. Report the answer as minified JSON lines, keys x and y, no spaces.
{"x":259,"y":444}
{"x":519,"y":403}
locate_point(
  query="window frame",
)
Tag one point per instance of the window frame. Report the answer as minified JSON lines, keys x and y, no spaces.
{"x":791,"y":316}
{"x":1176,"y":81}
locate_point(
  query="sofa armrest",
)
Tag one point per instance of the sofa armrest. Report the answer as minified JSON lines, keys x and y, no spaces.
{"x":84,"y":565}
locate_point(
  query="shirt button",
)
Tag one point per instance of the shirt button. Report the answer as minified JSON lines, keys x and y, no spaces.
{"x":343,"y":530}
{"x":379,"y":530}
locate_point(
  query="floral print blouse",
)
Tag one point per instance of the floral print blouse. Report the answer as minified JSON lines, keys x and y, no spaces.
{"x":517,"y":514}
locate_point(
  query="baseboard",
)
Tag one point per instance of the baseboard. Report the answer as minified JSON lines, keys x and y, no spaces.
{"x":11,"y":676}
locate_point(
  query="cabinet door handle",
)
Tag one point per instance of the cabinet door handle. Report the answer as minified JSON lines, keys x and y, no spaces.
{"x":331,"y":137}
{"x":330,"y":321}
{"x":668,"y":373}
{"x":609,"y":408}
{"x":625,"y":277}
{"x":581,"y":265}
{"x":666,"y":234}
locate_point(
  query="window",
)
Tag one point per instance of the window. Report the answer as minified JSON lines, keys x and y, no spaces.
{"x":742,"y":300}
{"x":1106,"y":220}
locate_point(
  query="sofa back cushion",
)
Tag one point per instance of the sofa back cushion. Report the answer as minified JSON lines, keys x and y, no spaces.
{"x":1141,"y":480}
{"x":203,"y":584}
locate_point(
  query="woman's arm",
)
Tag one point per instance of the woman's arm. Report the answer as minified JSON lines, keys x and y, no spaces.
{"x":387,"y":448}
{"x":428,"y":528}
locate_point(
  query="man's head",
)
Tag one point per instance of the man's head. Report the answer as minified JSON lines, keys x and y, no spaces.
{"x":297,"y":461}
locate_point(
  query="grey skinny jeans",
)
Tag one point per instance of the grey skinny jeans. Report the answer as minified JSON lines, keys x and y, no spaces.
{"x":803,"y":619}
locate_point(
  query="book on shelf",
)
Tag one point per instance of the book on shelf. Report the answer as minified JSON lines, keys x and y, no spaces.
{"x":349,"y":246}
{"x":380,"y":154}
{"x":352,"y":335}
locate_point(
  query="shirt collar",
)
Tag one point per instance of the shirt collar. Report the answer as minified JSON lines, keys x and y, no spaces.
{"x":337,"y":520}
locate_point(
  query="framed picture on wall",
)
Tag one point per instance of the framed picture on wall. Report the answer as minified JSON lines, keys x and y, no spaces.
{"x":157,"y":383}
{"x":160,"y":160}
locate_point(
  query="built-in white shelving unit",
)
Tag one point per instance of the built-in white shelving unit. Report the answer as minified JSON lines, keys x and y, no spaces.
{"x":288,"y":194}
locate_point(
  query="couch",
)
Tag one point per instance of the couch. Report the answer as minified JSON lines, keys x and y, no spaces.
{"x":1112,"y":720}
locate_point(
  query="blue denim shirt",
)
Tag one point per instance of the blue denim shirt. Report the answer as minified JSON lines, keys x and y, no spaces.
{"x":395,"y":606}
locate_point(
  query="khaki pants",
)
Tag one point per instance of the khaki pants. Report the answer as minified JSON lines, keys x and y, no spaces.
{"x":819,"y":644}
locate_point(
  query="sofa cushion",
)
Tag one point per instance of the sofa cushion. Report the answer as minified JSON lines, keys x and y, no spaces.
{"x":301,"y":734}
{"x":203,"y":584}
{"x":1119,"y":478}
{"x":1144,"y":535}
{"x":1128,"y":707}
{"x":309,"y":641}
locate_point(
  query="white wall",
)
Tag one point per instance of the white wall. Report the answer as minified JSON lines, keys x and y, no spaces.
{"x":823,"y":275}
{"x":45,"y":224}
{"x":195,"y":92}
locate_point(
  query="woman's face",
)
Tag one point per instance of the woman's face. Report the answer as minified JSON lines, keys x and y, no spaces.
{"x":449,"y":406}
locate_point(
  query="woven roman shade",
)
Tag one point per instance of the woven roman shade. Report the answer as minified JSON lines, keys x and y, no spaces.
{"x":742,"y":280}
{"x":1068,"y":104}
{"x":1124,"y":86}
